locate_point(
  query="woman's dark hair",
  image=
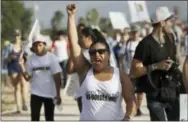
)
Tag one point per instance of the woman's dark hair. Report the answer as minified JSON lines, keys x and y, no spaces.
{"x":99,"y":35}
{"x":87,"y":31}
{"x":80,"y":25}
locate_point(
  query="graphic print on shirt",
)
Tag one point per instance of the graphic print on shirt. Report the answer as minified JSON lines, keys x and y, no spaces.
{"x":101,"y":96}
{"x":41,"y":68}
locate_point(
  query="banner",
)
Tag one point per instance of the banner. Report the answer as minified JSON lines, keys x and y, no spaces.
{"x":184,"y":107}
{"x":118,"y":20}
{"x":138,"y":11}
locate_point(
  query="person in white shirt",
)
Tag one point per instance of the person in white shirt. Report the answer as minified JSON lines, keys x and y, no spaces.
{"x":43,"y":71}
{"x":61,"y":50}
{"x":87,"y":37}
{"x":128,"y":52}
{"x":102,"y":86}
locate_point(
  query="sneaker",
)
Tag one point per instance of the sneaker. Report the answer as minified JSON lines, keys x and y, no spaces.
{"x":24,"y":108}
{"x":139,"y":113}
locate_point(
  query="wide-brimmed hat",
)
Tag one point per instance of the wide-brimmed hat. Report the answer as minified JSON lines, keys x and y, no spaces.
{"x":161,"y":14}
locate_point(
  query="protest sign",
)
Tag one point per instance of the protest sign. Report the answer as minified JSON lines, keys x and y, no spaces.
{"x":118,"y":20}
{"x":138,"y":11}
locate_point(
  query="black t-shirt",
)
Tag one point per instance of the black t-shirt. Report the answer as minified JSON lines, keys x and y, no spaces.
{"x":149,"y":51}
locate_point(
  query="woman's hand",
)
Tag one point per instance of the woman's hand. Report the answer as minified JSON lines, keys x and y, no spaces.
{"x":21,"y":59}
{"x":71,"y":9}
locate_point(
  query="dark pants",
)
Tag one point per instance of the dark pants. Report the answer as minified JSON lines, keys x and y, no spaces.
{"x":79,"y":102}
{"x":163,"y":111}
{"x":63,"y":65}
{"x":36,"y":104}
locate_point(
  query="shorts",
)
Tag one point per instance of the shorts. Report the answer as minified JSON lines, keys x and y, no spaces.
{"x":135,"y":86}
{"x":13,"y":67}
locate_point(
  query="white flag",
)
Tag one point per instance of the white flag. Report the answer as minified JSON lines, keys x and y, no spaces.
{"x":34,"y":31}
{"x":118,"y":20}
{"x":139,"y":11}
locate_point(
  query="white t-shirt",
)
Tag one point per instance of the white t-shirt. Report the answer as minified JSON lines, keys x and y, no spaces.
{"x":41,"y":70}
{"x":101,"y":100}
{"x":61,"y":50}
{"x":128,"y":51}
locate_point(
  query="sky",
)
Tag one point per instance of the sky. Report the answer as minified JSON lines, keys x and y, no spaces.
{"x":46,"y":9}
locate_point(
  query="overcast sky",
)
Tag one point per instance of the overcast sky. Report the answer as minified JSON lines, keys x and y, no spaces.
{"x":47,"y":8}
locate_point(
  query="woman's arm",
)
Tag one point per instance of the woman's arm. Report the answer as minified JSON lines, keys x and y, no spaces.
{"x":25,"y":74}
{"x":70,"y":66}
{"x":78,"y":59}
{"x":127,"y":93}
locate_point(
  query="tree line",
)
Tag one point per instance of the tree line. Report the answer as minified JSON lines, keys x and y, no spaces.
{"x":15,"y":16}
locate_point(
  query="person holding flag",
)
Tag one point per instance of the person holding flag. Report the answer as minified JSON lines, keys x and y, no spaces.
{"x":43,"y":71}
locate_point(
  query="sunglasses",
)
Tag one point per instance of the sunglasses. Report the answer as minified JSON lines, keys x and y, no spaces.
{"x":94,"y":51}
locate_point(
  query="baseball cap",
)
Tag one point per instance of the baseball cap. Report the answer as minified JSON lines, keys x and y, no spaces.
{"x":39,"y":38}
{"x":161,"y":14}
{"x":135,"y":28}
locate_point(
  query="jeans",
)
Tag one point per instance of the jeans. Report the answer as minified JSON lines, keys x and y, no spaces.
{"x":36,"y":104}
{"x":163,"y":111}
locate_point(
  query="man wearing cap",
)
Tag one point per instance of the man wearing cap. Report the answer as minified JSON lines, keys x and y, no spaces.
{"x":43,"y":69}
{"x":152,"y":64}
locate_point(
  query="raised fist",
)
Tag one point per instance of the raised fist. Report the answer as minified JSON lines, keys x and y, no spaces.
{"x":71,"y":9}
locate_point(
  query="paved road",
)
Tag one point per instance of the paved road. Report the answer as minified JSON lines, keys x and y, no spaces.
{"x":70,"y":112}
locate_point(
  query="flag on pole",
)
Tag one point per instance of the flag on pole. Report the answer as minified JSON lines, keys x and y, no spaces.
{"x":34,"y":32}
{"x":139,"y":11}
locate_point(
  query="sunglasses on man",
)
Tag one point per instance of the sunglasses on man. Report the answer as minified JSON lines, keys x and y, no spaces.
{"x":94,"y":51}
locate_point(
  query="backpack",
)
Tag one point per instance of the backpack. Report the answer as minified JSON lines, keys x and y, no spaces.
{"x":170,"y":84}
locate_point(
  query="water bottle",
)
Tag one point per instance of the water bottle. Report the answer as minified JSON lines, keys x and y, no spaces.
{"x":59,"y":107}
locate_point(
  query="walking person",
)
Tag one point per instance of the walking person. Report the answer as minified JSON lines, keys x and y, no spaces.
{"x":61,"y":50}
{"x":43,"y":71}
{"x":159,"y":76}
{"x":102,"y":85}
{"x":15,"y":74}
{"x":87,"y":37}
{"x":127,"y":52}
